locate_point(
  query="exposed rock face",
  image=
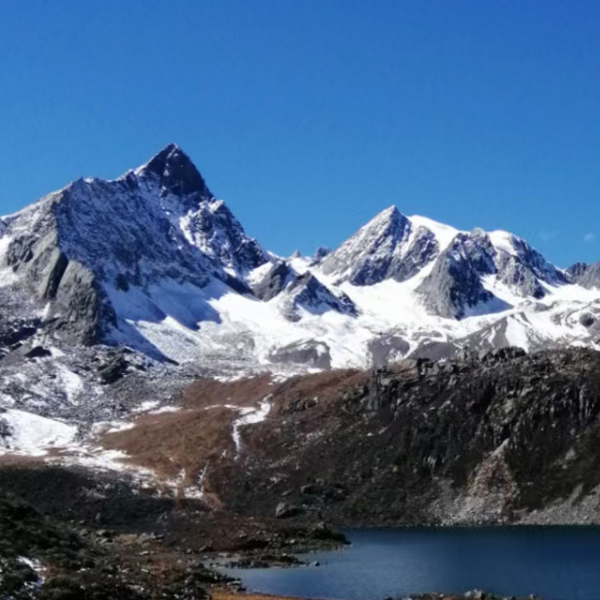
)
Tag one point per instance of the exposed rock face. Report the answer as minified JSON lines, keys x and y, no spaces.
{"x":46,"y":273}
{"x":589,"y":277}
{"x":300,"y":293}
{"x":308,"y":293}
{"x":178,"y":174}
{"x":387,"y":349}
{"x":575,"y":271}
{"x":455,"y":287}
{"x":274,"y":281}
{"x":387,"y":247}
{"x":219,"y":234}
{"x":320,"y":254}
{"x":524,"y":268}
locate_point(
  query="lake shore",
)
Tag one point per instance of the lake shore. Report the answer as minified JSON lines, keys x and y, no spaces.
{"x":226,"y":594}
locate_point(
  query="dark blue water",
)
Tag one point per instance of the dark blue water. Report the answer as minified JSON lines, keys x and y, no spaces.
{"x":557,"y":563}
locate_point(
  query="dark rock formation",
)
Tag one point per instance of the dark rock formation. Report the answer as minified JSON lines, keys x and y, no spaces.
{"x":38,"y":352}
{"x":454,"y":285}
{"x":308,"y":293}
{"x":274,"y":281}
{"x":178,"y":173}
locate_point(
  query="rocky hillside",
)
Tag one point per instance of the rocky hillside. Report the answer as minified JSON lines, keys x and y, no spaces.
{"x":500,"y":438}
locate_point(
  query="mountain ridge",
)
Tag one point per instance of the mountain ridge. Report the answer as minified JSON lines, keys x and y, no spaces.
{"x":154,"y":261}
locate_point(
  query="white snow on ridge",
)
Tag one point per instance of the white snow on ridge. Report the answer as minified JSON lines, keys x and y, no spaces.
{"x":241,"y":328}
{"x":7,"y":276}
{"x":443,"y":233}
{"x":503,"y":240}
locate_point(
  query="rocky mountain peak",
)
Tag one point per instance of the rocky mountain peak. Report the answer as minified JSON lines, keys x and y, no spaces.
{"x":576,"y":271}
{"x":177,"y":172}
{"x":320,"y":253}
{"x":367,"y":256}
{"x":391,"y":214}
{"x":587,"y":276}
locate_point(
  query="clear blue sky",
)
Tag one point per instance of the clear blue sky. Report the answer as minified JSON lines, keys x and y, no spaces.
{"x":310,"y":116}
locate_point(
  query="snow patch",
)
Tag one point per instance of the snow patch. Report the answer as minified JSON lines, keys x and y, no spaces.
{"x":444,"y":234}
{"x":516,"y":334}
{"x":504,"y":241}
{"x":251,"y":417}
{"x":33,"y":435}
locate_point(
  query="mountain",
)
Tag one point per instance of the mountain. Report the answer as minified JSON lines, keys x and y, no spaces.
{"x":82,"y":247}
{"x":154,"y":262}
{"x":136,"y":260}
{"x":105,"y":282}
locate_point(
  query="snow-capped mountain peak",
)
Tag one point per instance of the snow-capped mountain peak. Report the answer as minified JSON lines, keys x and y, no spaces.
{"x":388,"y":246}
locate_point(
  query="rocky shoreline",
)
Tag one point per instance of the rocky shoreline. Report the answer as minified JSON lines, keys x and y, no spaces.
{"x":71,"y":535}
{"x":46,"y":556}
{"x":221,"y":594}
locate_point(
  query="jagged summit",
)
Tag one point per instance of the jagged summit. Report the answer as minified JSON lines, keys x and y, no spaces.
{"x":390,"y":213}
{"x":177,"y":172}
{"x":387,"y":247}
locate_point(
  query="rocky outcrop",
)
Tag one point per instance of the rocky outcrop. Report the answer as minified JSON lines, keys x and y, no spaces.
{"x":455,"y":287}
{"x":320,"y":253}
{"x":524,"y":269}
{"x":589,"y":277}
{"x":575,"y":271}
{"x":177,"y":173}
{"x":273,"y":281}
{"x":386,"y":349}
{"x":305,"y":293}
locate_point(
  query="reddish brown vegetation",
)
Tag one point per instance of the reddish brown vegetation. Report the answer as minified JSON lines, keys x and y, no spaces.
{"x":201,"y":432}
{"x":243,"y":392}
